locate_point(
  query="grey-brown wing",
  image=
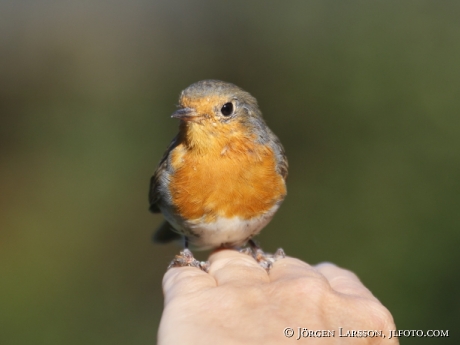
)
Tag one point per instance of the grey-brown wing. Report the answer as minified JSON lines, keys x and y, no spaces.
{"x":159,"y":178}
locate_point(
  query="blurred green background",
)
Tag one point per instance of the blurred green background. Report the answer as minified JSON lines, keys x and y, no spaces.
{"x":364,"y":96}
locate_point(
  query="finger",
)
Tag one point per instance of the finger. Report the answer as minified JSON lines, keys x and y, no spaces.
{"x":179,"y":281}
{"x":292,"y":268}
{"x":343,"y":281}
{"x":231,"y":266}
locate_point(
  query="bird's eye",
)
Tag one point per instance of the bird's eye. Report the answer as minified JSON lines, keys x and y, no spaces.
{"x":227,"y":109}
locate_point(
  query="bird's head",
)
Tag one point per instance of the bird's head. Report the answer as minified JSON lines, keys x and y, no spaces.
{"x":213,"y":111}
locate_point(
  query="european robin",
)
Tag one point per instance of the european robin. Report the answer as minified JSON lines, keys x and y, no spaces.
{"x":222,"y":178}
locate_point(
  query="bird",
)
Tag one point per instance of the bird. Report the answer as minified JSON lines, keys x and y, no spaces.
{"x":223,"y":176}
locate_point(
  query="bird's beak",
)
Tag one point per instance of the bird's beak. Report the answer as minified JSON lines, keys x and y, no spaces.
{"x":186,"y":114}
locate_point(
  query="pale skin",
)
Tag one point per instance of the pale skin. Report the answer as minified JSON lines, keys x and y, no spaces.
{"x":238,"y":302}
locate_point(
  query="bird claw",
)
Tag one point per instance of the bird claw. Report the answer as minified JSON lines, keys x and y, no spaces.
{"x":265,"y":260}
{"x":247,"y":251}
{"x":186,"y":259}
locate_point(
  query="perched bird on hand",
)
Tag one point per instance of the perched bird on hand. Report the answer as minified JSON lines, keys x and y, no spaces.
{"x":222,"y":178}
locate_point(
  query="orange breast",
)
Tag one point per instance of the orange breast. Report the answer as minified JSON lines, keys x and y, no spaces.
{"x":238,"y":179}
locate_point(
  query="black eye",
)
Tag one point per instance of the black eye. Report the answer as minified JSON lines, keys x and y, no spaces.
{"x":227,"y":109}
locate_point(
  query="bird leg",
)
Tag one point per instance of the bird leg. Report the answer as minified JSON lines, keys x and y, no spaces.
{"x":186,"y":258}
{"x":265,"y":260}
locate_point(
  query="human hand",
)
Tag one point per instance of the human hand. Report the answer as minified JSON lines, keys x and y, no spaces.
{"x":238,"y":302}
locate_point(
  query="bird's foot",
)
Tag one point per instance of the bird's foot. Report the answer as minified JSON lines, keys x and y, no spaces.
{"x":186,"y":259}
{"x":265,"y":260}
